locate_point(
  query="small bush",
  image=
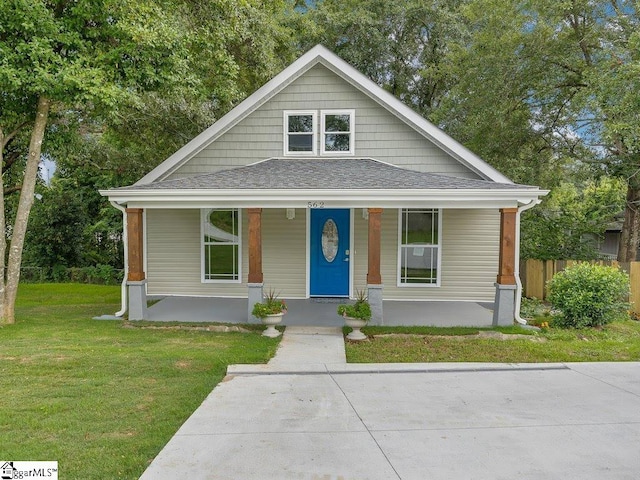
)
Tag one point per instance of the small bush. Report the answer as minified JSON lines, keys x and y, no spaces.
{"x":59,"y":274}
{"x":589,"y":295}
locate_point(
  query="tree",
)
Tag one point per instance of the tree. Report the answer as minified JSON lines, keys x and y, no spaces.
{"x":564,"y":75}
{"x":56,"y":233}
{"x":571,"y":220}
{"x":403,"y":46}
{"x":58,"y":57}
{"x":234,"y":46}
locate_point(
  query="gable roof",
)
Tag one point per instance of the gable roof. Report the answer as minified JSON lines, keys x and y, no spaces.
{"x":321,"y":55}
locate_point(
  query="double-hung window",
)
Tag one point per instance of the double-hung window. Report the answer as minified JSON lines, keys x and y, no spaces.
{"x":300,"y":133}
{"x":221,"y":248}
{"x":419,"y":247}
{"x":337,"y":132}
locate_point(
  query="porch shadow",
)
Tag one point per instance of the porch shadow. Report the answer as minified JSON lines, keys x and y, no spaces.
{"x":322,"y":312}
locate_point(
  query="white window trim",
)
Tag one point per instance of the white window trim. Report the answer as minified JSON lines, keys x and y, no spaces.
{"x":352,"y":131}
{"x":204,"y":214}
{"x":438,"y":251}
{"x":314,"y":140}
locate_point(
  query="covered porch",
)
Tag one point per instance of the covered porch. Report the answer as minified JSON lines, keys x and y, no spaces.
{"x":260,"y":189}
{"x":321,"y":312}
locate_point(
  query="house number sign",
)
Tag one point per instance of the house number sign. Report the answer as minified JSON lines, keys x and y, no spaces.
{"x":315,"y":204}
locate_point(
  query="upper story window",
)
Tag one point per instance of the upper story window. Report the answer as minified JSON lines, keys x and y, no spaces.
{"x":300,"y":137}
{"x":337,"y":131}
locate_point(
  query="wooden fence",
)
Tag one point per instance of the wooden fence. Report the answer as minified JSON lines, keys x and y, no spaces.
{"x":534,"y":275}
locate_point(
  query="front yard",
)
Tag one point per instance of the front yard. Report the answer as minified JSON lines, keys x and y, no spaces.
{"x":101,"y":399}
{"x":618,"y":341}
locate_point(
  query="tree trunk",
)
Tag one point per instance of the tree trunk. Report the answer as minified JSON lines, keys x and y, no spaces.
{"x":24,"y":208}
{"x":3,"y":235}
{"x":630,"y":235}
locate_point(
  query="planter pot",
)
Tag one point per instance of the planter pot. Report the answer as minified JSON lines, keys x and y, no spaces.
{"x":271,"y":321}
{"x":356,"y":324}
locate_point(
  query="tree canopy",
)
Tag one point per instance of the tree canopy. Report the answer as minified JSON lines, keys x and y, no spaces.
{"x":545,"y":91}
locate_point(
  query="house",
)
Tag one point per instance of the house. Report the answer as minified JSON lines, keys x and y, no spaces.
{"x":321,"y":184}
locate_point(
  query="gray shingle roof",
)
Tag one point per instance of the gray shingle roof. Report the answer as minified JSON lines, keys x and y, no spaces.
{"x":331,"y":174}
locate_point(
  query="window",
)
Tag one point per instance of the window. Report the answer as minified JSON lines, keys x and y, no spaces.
{"x":300,"y":132}
{"x":300,"y":136}
{"x":419,"y":247}
{"x":337,"y":132}
{"x":221,"y":245}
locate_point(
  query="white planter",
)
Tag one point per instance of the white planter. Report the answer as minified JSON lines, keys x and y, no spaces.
{"x":356,"y":324}
{"x":271,"y":321}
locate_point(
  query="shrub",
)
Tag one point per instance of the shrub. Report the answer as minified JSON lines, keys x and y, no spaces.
{"x":589,"y":295}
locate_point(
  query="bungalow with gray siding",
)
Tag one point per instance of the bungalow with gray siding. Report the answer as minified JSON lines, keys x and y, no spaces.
{"x":321,"y":184}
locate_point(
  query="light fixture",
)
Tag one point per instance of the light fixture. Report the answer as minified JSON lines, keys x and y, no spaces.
{"x":291,"y":213}
{"x":365,"y":213}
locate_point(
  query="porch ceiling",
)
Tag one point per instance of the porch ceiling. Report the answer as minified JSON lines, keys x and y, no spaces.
{"x":284,"y":182}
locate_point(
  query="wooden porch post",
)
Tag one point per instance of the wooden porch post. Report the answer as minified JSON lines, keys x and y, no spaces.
{"x":373,"y":273}
{"x":135,"y":245}
{"x":255,"y":245}
{"x":507,"y":258}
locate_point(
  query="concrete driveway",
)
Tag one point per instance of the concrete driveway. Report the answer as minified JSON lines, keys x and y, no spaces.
{"x":338,"y":421}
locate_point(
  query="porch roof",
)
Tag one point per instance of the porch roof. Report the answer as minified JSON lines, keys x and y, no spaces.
{"x":286,"y":182}
{"x":314,"y":173}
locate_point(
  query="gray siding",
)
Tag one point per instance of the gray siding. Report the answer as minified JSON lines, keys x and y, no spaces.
{"x":174,"y":254}
{"x":378,"y":133}
{"x":284,"y":252}
{"x":469,"y":255}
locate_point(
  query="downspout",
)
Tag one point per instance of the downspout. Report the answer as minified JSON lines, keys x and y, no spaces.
{"x":125,"y":241}
{"x":521,"y":209}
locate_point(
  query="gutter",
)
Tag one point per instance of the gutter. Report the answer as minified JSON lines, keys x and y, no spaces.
{"x":521,"y":209}
{"x":125,"y":240}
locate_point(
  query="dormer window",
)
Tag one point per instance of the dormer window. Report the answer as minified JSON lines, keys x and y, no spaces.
{"x":300,"y":137}
{"x":337,"y":132}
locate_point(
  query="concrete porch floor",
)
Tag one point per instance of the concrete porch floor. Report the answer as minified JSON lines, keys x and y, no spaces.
{"x":321,"y":312}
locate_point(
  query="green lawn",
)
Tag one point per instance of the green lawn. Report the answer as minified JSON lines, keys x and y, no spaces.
{"x":101,"y":399}
{"x":618,"y":341}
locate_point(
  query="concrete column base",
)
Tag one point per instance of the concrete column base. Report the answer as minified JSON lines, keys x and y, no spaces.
{"x":504,"y":306}
{"x":374,"y":292}
{"x":137,"y":300}
{"x":255,"y":296}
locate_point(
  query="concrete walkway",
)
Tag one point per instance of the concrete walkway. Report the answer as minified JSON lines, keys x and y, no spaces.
{"x":309,"y":415}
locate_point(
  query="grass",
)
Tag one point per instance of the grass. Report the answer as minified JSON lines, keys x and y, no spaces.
{"x":618,"y":341}
{"x":101,"y":399}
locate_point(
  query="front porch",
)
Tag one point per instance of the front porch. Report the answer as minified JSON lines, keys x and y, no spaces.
{"x":322,"y":312}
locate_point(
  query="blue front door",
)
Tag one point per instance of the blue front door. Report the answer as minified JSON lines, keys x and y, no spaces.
{"x":329,"y":252}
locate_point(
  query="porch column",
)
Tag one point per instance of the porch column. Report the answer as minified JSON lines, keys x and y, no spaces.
{"x":374,"y":279}
{"x":504,"y":307}
{"x":136,"y":280}
{"x":255,"y":277}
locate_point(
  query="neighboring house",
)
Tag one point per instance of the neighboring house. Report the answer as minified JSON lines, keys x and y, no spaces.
{"x":320,"y":184}
{"x":609,"y":244}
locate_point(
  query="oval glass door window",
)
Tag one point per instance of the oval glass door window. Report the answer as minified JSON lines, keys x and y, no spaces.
{"x":330,"y":240}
